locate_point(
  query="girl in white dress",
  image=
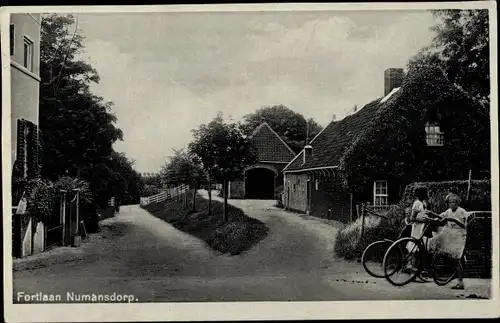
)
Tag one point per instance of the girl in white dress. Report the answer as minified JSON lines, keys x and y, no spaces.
{"x":451,"y":237}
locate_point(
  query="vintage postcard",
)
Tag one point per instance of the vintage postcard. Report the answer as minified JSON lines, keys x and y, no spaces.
{"x":250,"y":162}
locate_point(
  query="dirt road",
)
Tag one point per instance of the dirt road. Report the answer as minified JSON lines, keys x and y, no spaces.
{"x":138,"y":254}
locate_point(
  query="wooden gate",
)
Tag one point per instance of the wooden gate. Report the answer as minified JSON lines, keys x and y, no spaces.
{"x":55,"y":226}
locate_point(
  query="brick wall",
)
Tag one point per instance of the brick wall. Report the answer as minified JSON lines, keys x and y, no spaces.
{"x":330,"y":195}
{"x":295,"y":197}
{"x":478,"y":247}
{"x":330,"y":200}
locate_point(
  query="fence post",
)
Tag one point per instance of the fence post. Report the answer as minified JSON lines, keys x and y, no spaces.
{"x":362,"y":220}
{"x":468,"y":188}
{"x":350,"y":207}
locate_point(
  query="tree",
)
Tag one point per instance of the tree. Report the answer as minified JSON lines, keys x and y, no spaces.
{"x":77,"y":127}
{"x":184,"y":169}
{"x":224,"y":152}
{"x":290,"y":125}
{"x":461,"y":48}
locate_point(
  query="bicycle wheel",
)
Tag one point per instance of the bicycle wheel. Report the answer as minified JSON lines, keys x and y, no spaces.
{"x":403,"y":261}
{"x":444,"y":268}
{"x":373,"y":256}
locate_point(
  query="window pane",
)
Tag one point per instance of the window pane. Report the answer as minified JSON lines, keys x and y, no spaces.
{"x":11,"y":39}
{"x":25,"y":55}
{"x":381,"y":200}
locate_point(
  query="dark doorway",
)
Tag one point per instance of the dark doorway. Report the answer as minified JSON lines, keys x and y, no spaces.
{"x":259,"y":184}
{"x":55,"y":226}
{"x":309,"y":196}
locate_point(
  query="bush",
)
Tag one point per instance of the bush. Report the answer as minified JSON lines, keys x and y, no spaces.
{"x":235,"y":237}
{"x":348,"y":243}
{"x":150,"y":190}
{"x":40,"y":200}
{"x":479,"y":195}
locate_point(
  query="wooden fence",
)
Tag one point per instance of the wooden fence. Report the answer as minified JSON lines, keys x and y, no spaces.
{"x":168,"y":194}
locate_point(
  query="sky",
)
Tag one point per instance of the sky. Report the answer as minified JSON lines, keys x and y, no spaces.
{"x":167,"y":73}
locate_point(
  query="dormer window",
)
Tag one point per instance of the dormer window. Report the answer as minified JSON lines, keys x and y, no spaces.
{"x":434,"y":136}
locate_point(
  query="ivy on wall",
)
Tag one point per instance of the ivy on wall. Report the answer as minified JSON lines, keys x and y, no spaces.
{"x":394,"y":146}
{"x":40,"y":200}
{"x":68,"y":183}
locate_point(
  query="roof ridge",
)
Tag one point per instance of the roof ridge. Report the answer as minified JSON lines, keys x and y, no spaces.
{"x":334,"y":129}
{"x":257,"y":129}
{"x":275,"y":133}
{"x":300,"y":152}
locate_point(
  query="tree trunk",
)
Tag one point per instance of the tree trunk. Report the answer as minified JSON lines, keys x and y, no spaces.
{"x":226,"y":216}
{"x":209,"y":197}
{"x":194,"y":199}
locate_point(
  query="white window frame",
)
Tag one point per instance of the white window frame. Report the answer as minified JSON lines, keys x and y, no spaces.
{"x":433,"y":135}
{"x":28,"y":56}
{"x":375,"y":194}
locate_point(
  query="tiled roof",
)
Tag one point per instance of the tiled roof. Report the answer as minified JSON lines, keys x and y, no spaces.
{"x":330,"y":144}
{"x":269,"y":145}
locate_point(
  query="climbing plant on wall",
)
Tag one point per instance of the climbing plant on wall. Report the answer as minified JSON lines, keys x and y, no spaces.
{"x":40,"y":200}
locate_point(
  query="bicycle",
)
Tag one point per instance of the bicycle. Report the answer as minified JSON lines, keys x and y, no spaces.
{"x":411,"y":256}
{"x":373,"y":255}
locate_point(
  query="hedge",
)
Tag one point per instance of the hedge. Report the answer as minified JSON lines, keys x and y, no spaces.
{"x":350,"y":245}
{"x":239,"y":234}
{"x":479,"y":195}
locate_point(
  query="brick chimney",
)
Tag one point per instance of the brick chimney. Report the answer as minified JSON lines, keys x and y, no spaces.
{"x":393,"y":78}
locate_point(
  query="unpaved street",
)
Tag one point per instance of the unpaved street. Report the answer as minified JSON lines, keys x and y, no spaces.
{"x":138,"y":254}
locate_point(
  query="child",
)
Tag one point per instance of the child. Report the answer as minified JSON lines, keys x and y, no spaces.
{"x":419,"y":219}
{"x":451,"y":237}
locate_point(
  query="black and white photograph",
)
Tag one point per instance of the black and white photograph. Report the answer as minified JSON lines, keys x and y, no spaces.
{"x":265,"y":161}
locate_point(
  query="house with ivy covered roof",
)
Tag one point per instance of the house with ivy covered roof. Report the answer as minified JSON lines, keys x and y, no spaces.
{"x":423,"y":128}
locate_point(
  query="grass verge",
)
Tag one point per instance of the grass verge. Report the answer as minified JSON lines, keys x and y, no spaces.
{"x":239,"y":234}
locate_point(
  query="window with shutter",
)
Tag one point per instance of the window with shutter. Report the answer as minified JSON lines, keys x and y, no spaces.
{"x":21,"y":145}
{"x":32,"y":144}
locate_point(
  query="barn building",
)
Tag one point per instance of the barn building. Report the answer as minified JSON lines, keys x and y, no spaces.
{"x":263,"y":179}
